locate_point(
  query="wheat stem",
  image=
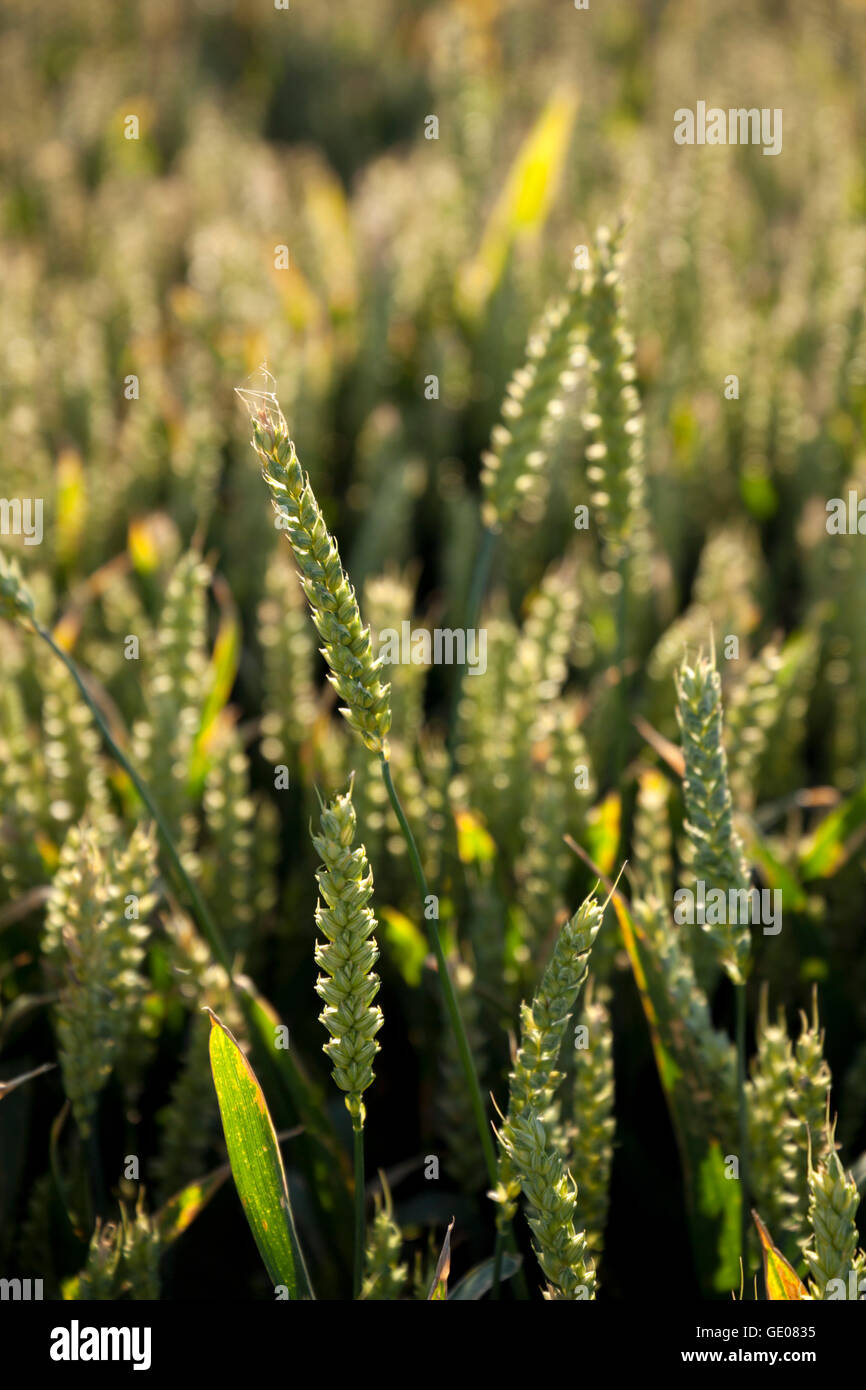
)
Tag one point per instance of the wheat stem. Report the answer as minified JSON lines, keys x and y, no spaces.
{"x":621,"y":651}
{"x":359,"y":1209}
{"x":465,"y":1053}
{"x":742,"y":1119}
{"x":498,"y":1251}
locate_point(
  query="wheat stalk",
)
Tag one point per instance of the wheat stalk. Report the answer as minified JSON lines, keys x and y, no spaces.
{"x":354,"y":671}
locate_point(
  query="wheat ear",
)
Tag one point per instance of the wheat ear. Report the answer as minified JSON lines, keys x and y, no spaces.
{"x":542,"y":1028}
{"x":551,"y":1193}
{"x":354,"y":672}
{"x":833,"y":1203}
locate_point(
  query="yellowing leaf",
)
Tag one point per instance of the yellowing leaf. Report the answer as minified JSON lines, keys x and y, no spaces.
{"x":71,"y":505}
{"x":48,"y":851}
{"x":524,"y":203}
{"x":782,"y":1281}
{"x":474,"y":844}
{"x":221,"y":675}
{"x":180,"y":1211}
{"x":439,"y":1287}
{"x":407,"y":946}
{"x":602,"y":832}
{"x":827,"y":849}
{"x":143,"y":546}
{"x":300,"y":303}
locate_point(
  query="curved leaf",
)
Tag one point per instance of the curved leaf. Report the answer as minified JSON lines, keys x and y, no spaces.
{"x":479,"y":1280}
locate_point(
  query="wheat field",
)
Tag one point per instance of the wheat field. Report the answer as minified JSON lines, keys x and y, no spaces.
{"x":433,"y":650}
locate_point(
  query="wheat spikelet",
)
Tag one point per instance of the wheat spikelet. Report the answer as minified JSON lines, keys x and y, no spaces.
{"x":722,"y":599}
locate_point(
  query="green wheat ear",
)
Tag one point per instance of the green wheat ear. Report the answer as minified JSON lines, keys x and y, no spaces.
{"x":542,"y":1029}
{"x":718,"y":857}
{"x":349,"y":984}
{"x":833,"y":1202}
{"x":591,"y":1126}
{"x":96,"y":953}
{"x":614,"y":421}
{"x":533,"y":405}
{"x":551,"y":1194}
{"x":354,"y":671}
{"x":385,"y":1277}
{"x":123,"y":1258}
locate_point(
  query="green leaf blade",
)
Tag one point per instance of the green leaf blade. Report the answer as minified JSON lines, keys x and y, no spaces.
{"x":256,"y":1162}
{"x":479,"y":1280}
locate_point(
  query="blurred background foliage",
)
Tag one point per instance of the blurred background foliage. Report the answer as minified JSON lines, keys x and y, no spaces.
{"x":154,"y":258}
